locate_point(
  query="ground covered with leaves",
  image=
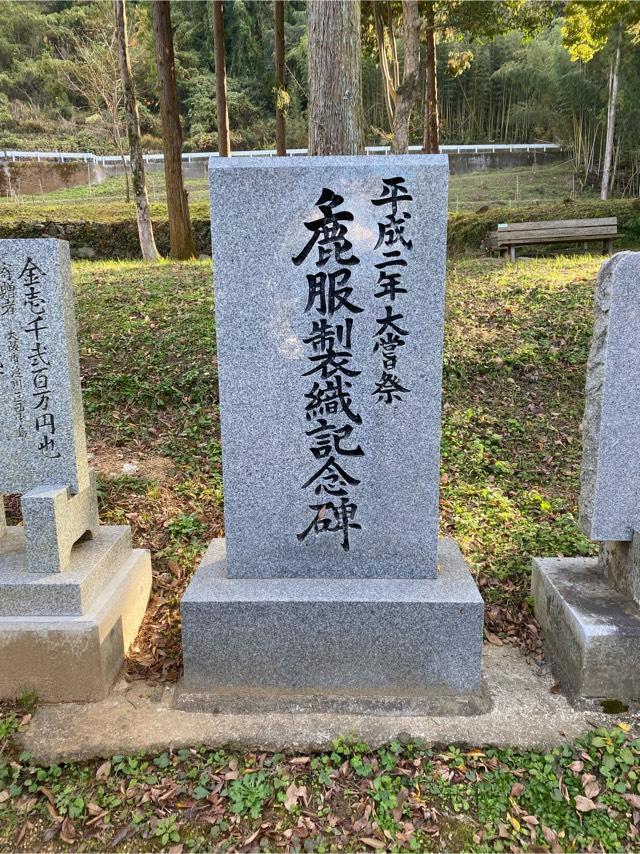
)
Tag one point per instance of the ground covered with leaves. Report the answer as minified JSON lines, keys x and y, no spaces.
{"x":403,"y":796}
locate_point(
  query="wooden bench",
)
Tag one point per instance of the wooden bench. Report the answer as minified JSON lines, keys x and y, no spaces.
{"x":509,"y":235}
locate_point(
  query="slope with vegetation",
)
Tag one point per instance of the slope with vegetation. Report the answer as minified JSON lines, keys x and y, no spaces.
{"x":109,"y":231}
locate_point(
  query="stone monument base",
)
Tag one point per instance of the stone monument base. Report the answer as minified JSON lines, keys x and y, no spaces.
{"x":591,"y":631}
{"x":362,"y":646}
{"x":64,"y":635}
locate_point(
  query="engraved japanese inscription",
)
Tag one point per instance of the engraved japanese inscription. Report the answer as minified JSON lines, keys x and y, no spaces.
{"x":330,"y":302}
{"x":41,"y":424}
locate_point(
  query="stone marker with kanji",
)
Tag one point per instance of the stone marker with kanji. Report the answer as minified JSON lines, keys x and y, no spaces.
{"x":330,"y":589}
{"x":72,"y":593}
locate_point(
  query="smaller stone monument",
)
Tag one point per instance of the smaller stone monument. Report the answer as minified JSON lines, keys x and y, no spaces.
{"x":72,"y":593}
{"x":589,"y":608}
{"x":331,"y":590}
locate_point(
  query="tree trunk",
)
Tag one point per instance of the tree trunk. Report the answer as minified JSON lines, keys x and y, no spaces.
{"x":145,"y":228}
{"x":431,"y":118}
{"x":389,"y":90}
{"x":611,"y":122}
{"x":222,"y":108}
{"x":180,"y":232}
{"x":117,"y":141}
{"x":281,"y":128}
{"x":335,"y":85}
{"x":125,"y":171}
{"x":395,"y":64}
{"x":614,"y":170}
{"x":409,"y":91}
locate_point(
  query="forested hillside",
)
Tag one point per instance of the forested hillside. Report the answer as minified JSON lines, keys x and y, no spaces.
{"x":59,"y":77}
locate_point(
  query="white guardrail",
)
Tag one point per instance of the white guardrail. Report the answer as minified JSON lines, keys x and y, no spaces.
{"x":188,"y":157}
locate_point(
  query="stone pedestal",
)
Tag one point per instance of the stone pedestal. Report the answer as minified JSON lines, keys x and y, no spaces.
{"x":591,"y":631}
{"x":64,"y":635}
{"x":589,"y":608}
{"x":361,"y":646}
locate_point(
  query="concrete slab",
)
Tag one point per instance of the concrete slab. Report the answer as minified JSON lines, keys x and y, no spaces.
{"x":591,"y":631}
{"x":139,"y":717}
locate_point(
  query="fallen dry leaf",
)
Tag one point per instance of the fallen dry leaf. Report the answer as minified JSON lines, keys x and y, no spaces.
{"x":48,"y":795}
{"x":67,"y":831}
{"x":52,"y":831}
{"x":592,"y":790}
{"x":52,"y":811}
{"x":293,"y":795}
{"x":23,"y":832}
{"x":122,"y":834}
{"x":373,"y":843}
{"x":104,"y":770}
{"x":584,"y":804}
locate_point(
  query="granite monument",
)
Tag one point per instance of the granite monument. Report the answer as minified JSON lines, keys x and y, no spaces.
{"x":330,"y":588}
{"x":72,"y":593}
{"x":589,"y":608}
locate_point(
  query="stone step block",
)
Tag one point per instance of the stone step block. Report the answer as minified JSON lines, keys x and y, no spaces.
{"x":591,"y":631}
{"x":61,"y":594}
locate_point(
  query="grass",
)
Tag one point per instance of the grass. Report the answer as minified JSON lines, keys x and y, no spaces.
{"x":516,"y":344}
{"x":112,"y":189}
{"x":519,"y":185}
{"x":402,"y":796}
{"x":147,"y":347}
{"x":105,"y":200}
{"x":165,"y":315}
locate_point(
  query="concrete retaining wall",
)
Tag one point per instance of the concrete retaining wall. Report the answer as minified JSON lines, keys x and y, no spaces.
{"x":465,"y":161}
{"x":32,"y":177}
